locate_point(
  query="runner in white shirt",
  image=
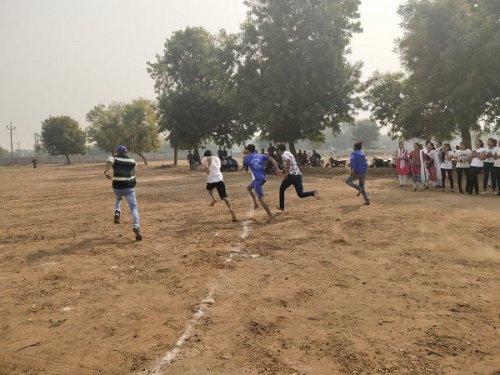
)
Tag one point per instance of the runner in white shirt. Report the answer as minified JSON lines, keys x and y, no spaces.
{"x":215,"y":180}
{"x":476,"y":166}
{"x":292,"y":177}
{"x":446,"y":166}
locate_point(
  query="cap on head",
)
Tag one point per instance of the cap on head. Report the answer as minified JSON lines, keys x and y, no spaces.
{"x":207,"y":153}
{"x":121,"y":149}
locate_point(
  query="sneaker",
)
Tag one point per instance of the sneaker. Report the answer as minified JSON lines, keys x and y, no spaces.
{"x":138,"y":235}
{"x":116,"y":218}
{"x":367,"y":203}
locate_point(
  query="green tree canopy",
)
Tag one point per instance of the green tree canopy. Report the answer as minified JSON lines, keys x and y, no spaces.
{"x":133,"y":124}
{"x":293,"y":76}
{"x":61,"y":135}
{"x":195,"y":88}
{"x":366,"y":131}
{"x":3,"y":151}
{"x":450,"y":50}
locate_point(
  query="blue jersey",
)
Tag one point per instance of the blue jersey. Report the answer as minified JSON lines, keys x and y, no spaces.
{"x":257,"y":164}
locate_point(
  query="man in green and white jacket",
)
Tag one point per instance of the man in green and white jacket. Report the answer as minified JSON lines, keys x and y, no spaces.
{"x":123,"y":178}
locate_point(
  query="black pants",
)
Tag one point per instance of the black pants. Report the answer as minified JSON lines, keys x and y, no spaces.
{"x":443,"y":177}
{"x":474,"y":182}
{"x":496,"y":174}
{"x":296,"y":181}
{"x":460,"y":173}
{"x":488,"y":170}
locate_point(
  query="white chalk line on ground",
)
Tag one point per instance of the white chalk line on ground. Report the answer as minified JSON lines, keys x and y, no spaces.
{"x":208,"y":301}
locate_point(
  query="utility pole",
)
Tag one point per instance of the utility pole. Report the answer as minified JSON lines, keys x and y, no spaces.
{"x":11,"y":129}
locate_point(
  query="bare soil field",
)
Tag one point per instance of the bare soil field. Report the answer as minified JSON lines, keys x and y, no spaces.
{"x":408,"y":285}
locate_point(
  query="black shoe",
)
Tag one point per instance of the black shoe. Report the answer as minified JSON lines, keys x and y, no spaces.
{"x":116,"y":219}
{"x":138,"y":235}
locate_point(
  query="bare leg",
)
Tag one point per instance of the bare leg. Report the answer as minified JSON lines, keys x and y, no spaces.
{"x":211,"y":193}
{"x":255,"y":204}
{"x":268,"y":211}
{"x":228,"y":204}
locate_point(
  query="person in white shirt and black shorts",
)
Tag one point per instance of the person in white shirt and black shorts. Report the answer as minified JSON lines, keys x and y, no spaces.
{"x":215,"y":180}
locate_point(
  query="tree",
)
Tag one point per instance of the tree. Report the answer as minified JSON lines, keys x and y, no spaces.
{"x":450,"y":50}
{"x":61,"y":135}
{"x":293,"y":77}
{"x":366,"y":131}
{"x":133,"y":124}
{"x":3,"y":151}
{"x":194,"y":84}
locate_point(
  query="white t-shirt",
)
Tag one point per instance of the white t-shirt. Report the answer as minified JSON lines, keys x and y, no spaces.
{"x":294,"y":169}
{"x":497,"y":162}
{"x":463,"y":158}
{"x":447,"y":163}
{"x":214,"y":173}
{"x":476,"y":162}
{"x":491,"y":157}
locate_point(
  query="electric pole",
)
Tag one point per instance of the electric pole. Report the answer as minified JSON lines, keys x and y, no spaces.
{"x":11,"y":129}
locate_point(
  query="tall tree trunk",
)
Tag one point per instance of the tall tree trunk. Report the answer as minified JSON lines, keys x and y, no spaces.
{"x":175,"y":155}
{"x":291,"y":145}
{"x":196,"y":153}
{"x":143,"y":158}
{"x":67,"y":158}
{"x":466,"y":137}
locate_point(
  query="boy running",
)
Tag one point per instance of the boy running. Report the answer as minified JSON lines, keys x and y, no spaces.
{"x":358,"y":172}
{"x":215,"y":180}
{"x":257,"y":164}
{"x":292,"y":177}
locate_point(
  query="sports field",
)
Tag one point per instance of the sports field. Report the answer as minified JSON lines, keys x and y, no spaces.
{"x":408,"y":285}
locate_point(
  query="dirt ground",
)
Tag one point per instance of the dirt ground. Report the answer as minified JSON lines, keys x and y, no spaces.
{"x":408,"y":285}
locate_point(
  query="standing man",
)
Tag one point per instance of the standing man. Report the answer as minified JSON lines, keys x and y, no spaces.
{"x":190,"y":158}
{"x":292,"y":177}
{"x":123,"y":178}
{"x":256,"y":163}
{"x":215,"y":180}
{"x":358,"y":172}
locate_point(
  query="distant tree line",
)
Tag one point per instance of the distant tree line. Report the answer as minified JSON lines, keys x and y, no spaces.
{"x":285,"y":76}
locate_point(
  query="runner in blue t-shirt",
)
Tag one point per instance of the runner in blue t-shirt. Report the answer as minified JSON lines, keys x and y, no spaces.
{"x":257,"y":164}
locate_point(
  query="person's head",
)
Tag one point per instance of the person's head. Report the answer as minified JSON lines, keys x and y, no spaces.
{"x":207,"y":153}
{"x":479,"y":143}
{"x":262,"y":151}
{"x":189,"y":151}
{"x":447,"y":147}
{"x":281,"y":148}
{"x":457,"y":147}
{"x":121,"y":149}
{"x":492,"y":142}
{"x":463,"y":146}
{"x":358,"y":146}
{"x":270,"y":144}
{"x":416,"y":146}
{"x":430,"y":146}
{"x":401,"y":144}
{"x":251,"y":148}
{"x":224,"y":148}
{"x":439,"y":144}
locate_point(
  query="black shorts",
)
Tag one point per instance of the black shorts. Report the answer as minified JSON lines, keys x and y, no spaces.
{"x":220,"y":186}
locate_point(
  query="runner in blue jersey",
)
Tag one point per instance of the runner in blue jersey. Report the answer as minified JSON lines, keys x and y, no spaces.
{"x":257,"y":165}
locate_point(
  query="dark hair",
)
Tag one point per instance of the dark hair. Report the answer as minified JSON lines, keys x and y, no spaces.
{"x":207,"y":153}
{"x":494,"y":141}
{"x":443,"y":155}
{"x":251,"y":148}
{"x":281,"y":147}
{"x":432,"y":145}
{"x":481,"y":143}
{"x":358,"y":146}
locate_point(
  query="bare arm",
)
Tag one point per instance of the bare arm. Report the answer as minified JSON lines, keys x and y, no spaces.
{"x":275,"y":166}
{"x":287,"y":166}
{"x":209,"y":163}
{"x":107,"y":171}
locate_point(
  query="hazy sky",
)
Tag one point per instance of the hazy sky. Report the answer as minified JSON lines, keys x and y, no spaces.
{"x":62,"y":57}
